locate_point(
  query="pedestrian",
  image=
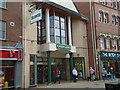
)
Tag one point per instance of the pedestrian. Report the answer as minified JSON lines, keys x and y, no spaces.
{"x":104,"y":74}
{"x":80,"y":73}
{"x":57,"y":75}
{"x":91,"y":71}
{"x":112,"y":73}
{"x":75,"y":74}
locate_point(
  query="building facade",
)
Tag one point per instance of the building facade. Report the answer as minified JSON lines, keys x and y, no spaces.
{"x":56,"y":40}
{"x":103,"y":34}
{"x":10,"y":43}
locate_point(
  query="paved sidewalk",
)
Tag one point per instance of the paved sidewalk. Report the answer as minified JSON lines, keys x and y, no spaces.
{"x":79,"y":84}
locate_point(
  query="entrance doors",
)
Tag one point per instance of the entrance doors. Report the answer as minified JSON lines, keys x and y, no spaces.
{"x":79,"y":64}
{"x":42,"y":69}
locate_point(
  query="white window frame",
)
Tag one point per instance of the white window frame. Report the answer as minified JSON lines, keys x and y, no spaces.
{"x":117,"y":20}
{"x":107,"y":43}
{"x":4,"y":30}
{"x":102,"y":44}
{"x":115,"y":44}
{"x":106,"y":17}
{"x":100,"y":16}
{"x":1,"y":2}
{"x":113,"y":19}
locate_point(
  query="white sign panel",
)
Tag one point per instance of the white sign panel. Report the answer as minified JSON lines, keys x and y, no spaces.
{"x":36,"y":16}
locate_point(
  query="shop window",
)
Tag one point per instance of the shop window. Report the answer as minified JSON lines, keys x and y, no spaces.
{"x":106,"y":18}
{"x":32,"y":65}
{"x":100,"y":16}
{"x":115,"y":44}
{"x":108,"y":43}
{"x":102,"y":46}
{"x":2,"y":3}
{"x":119,"y":44}
{"x":2,"y":30}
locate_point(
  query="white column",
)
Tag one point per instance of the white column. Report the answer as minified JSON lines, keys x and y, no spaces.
{"x":47,"y":26}
{"x":69,"y":30}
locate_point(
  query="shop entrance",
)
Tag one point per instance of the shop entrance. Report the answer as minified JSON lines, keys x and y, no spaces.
{"x":43,"y":69}
{"x":79,"y":64}
{"x":8,"y":68}
{"x":107,"y":64}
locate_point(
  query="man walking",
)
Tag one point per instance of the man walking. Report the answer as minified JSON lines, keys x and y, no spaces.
{"x":75,"y":73}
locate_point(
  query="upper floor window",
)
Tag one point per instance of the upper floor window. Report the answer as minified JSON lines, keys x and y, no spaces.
{"x":60,"y":31}
{"x":100,"y":16}
{"x":102,"y":43}
{"x":2,"y":30}
{"x":117,"y":20}
{"x":115,"y":44}
{"x":108,"y":43}
{"x":2,"y":3}
{"x":103,"y":2}
{"x":113,"y":19}
{"x":106,"y":18}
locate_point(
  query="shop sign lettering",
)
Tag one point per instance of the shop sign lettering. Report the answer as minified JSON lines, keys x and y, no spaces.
{"x":36,"y":16}
{"x":66,"y":47}
{"x":110,"y":55}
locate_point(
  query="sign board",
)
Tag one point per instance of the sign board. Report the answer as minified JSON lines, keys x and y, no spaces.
{"x":110,"y":55}
{"x":60,"y":46}
{"x":11,"y":55}
{"x":36,"y":16}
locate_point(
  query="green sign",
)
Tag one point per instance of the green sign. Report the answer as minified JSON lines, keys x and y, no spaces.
{"x":66,"y":47}
{"x":36,"y":16}
{"x":110,"y":55}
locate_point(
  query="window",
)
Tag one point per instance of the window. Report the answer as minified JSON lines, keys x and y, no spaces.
{"x":2,"y":30}
{"x":113,"y":19}
{"x":100,"y":16}
{"x":102,"y":43}
{"x":106,"y":18}
{"x":103,"y":2}
{"x":111,"y":3}
{"x":117,"y":20}
{"x":2,"y":3}
{"x":108,"y":43}
{"x":60,"y":31}
{"x":114,"y":4}
{"x":41,"y":31}
{"x":115,"y":44}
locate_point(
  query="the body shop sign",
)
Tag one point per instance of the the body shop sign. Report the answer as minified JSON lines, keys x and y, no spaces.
{"x":110,"y":55}
{"x":36,"y":16}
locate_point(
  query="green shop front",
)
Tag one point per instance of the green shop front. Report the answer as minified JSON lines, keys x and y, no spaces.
{"x":48,"y":62}
{"x":110,"y":59}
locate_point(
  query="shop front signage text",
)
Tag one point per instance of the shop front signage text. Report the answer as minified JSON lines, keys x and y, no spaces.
{"x":66,"y":47}
{"x":36,"y":16}
{"x":110,"y":55}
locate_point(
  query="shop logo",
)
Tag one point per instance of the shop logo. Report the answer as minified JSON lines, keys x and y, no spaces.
{"x":12,"y":53}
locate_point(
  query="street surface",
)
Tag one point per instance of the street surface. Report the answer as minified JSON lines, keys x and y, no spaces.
{"x":79,"y":84}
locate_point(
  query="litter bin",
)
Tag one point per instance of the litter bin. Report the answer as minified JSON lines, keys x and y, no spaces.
{"x":112,"y":86}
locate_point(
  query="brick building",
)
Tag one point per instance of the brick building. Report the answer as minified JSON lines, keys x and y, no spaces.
{"x":10,"y":43}
{"x":102,"y":34}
